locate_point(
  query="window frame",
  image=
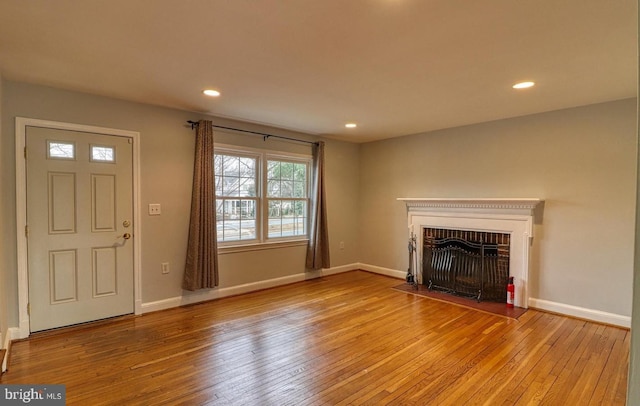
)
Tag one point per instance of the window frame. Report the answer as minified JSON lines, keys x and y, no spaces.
{"x":262,"y":240}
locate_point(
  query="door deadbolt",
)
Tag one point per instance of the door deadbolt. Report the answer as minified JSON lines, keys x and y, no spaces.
{"x":126,"y":223}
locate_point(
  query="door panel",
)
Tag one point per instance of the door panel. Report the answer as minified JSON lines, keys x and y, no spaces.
{"x":79,"y":199}
{"x":103,"y":203}
{"x":105,"y":271}
{"x":62,"y":202}
{"x":63,"y":276}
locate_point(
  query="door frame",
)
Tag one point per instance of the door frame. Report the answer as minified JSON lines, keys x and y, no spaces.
{"x":21,"y":209}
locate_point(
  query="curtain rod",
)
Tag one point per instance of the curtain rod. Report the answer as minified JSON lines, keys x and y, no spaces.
{"x":264,"y":136}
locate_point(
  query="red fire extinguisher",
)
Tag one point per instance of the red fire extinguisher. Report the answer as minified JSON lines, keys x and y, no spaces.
{"x":511,"y":292}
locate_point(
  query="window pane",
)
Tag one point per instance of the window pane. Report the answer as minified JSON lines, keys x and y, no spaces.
{"x":236,"y":219}
{"x":247,"y":209}
{"x":230,"y":186}
{"x":287,"y":218}
{"x":61,"y":150}
{"x":274,"y":209}
{"x":102,"y":154}
{"x":247,"y":167}
{"x":300,"y":173}
{"x":273,"y":188}
{"x":275,"y":222}
{"x":248,"y":230}
{"x":275,"y":228}
{"x":286,"y":170}
{"x":227,"y":209}
{"x":299,"y":189}
{"x":286,"y":188}
{"x":247,"y":187}
{"x":273,"y":170}
{"x":231,"y":166}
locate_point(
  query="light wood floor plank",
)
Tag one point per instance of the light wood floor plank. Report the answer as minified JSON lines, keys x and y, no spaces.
{"x":347,"y":339}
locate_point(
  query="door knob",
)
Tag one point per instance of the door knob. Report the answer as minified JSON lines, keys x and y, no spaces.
{"x":126,"y":236}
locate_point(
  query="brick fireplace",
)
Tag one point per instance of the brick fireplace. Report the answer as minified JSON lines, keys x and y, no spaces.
{"x":512,"y":217}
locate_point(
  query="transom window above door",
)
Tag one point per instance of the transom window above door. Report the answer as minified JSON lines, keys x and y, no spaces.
{"x":61,"y":149}
{"x":103,"y":153}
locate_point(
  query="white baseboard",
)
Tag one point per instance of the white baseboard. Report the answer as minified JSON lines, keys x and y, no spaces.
{"x":13,"y":333}
{"x":137,"y":307}
{"x":581,"y":312}
{"x":394,"y":273}
{"x":339,"y":269}
{"x":204,"y":295}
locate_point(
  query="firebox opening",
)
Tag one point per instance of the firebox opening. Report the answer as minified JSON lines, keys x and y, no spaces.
{"x":466,"y":263}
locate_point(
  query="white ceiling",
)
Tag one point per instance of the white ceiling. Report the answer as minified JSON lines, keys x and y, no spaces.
{"x":395,"y":67}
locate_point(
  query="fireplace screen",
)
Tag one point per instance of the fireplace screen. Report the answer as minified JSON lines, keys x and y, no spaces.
{"x":468,"y":263}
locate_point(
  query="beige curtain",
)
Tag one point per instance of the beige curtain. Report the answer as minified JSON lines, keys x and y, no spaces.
{"x":201,"y":269}
{"x":318,"y":248}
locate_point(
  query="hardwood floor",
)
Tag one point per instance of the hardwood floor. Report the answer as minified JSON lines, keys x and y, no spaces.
{"x":347,"y":339}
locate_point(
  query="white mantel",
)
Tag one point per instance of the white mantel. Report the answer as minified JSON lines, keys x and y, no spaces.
{"x":504,"y":205}
{"x":513,"y":216}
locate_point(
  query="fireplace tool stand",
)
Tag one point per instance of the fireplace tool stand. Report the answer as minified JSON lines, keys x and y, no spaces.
{"x":412,"y":271}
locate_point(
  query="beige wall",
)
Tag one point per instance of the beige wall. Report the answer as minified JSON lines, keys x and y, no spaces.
{"x":166,"y":173}
{"x":581,"y":161}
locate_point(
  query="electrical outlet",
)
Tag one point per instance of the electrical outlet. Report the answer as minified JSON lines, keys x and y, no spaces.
{"x":154,"y":209}
{"x":341,"y":245}
{"x":165,"y":267}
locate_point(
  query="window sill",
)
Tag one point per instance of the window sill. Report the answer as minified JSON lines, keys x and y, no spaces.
{"x":231,"y":249}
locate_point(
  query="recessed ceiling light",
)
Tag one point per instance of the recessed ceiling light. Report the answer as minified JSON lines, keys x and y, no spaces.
{"x":211,"y":92}
{"x":351,"y":125}
{"x":523,"y":85}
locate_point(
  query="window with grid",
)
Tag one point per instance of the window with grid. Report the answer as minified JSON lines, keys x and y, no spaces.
{"x":236,"y":179}
{"x":261,"y":197}
{"x":287,"y":200}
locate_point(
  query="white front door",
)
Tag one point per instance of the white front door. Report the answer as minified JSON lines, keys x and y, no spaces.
{"x":80,"y":231}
